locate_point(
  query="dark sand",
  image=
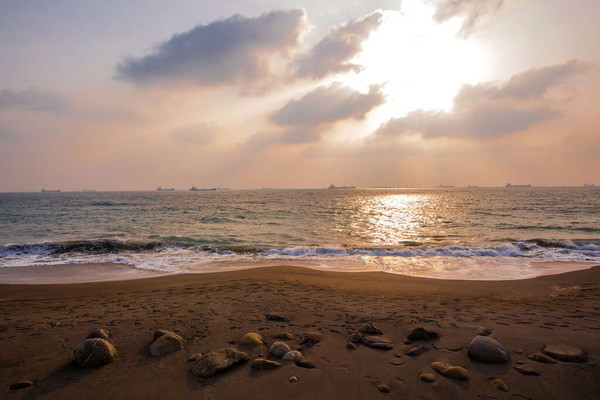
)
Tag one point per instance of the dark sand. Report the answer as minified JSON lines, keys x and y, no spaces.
{"x":212,"y":310}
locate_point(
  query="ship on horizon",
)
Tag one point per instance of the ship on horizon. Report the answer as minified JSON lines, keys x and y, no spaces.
{"x":589,"y":185}
{"x":195,"y":189}
{"x":332,"y":186}
{"x":50,"y":191}
{"x":159,"y":189}
{"x":510,"y":185}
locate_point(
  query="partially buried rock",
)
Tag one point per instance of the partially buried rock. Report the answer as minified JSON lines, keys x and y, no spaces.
{"x":481,"y":331}
{"x":98,"y":333}
{"x":310,"y":339}
{"x":292,"y":379}
{"x":427,"y":377}
{"x":355,"y":337}
{"x":159,"y":332}
{"x":166,"y":344}
{"x":384,"y":388}
{"x":525,"y":370}
{"x":539,"y":357}
{"x":565,"y":353}
{"x":20,"y":385}
{"x":370,"y":329}
{"x":422,"y":334}
{"x":378,"y":342}
{"x":292,"y":355}
{"x":304,"y":363}
{"x":278,"y":349}
{"x":500,"y":384}
{"x":284,"y":336}
{"x":94,"y":353}
{"x":351,"y":346}
{"x":218,"y":361}
{"x":487,"y":350}
{"x":262,"y":364}
{"x":277,"y":317}
{"x":415,"y":351}
{"x":251,"y":339}
{"x":450,"y":371}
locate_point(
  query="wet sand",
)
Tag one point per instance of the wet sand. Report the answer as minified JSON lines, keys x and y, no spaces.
{"x":42,"y":324}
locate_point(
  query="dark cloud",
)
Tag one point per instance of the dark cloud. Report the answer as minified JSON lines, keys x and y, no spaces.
{"x":197,"y":134}
{"x":34,"y":100}
{"x":233,"y":50}
{"x":471,"y":10}
{"x":333,"y":53}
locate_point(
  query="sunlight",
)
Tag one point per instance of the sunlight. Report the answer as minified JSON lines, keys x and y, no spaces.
{"x":423,"y":64}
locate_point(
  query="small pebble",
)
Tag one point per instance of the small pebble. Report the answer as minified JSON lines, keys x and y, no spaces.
{"x":427,"y":377}
{"x":500,"y":384}
{"x":20,"y":385}
{"x":384,"y":388}
{"x":293,"y":379}
{"x":351,"y":346}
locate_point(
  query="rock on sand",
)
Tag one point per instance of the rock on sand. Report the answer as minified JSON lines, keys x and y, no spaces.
{"x":378,"y":342}
{"x":264,"y":364}
{"x":94,"y":353}
{"x":565,"y":353}
{"x":218,"y":361}
{"x":166,"y":343}
{"x":450,"y":371}
{"x":487,"y":350}
{"x":251,"y":339}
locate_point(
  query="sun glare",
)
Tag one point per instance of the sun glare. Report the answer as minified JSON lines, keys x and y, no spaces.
{"x":421,"y":63}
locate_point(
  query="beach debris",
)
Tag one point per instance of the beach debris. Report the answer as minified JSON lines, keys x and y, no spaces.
{"x":500,"y":384}
{"x":20,"y":385}
{"x":370,"y":329}
{"x":263,"y":364}
{"x":355,"y":337}
{"x":292,"y":355}
{"x":194,"y":357}
{"x":251,"y":339}
{"x":383,"y":388}
{"x":99,"y":333}
{"x":278,"y":349}
{"x":304,"y":363}
{"x":450,"y":371}
{"x":351,"y":346}
{"x":540,"y":357}
{"x":310,"y":339}
{"x":94,"y":353}
{"x":378,"y":342}
{"x":428,"y":377}
{"x":284,"y":336}
{"x":482,"y":331}
{"x":487,"y":350}
{"x":218,"y":361}
{"x":565,"y":353}
{"x":293,"y":379}
{"x":415,"y":351}
{"x":422,"y":334}
{"x":166,"y":343}
{"x":525,"y":370}
{"x":277,"y":317}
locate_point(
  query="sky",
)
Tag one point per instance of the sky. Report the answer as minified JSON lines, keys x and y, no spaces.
{"x":114,"y":95}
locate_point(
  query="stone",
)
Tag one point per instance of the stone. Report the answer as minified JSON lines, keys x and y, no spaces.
{"x":263,"y":364}
{"x":450,"y":371}
{"x":565,"y":353}
{"x":487,"y":350}
{"x":384,"y":388}
{"x":277,"y":317}
{"x":251,"y":339}
{"x":194,"y":357}
{"x":218,"y":361}
{"x":377,"y":342}
{"x":525,"y":370}
{"x":292,"y":379}
{"x":20,"y":385}
{"x":94,"y":353}
{"x":500,"y":384}
{"x":422,"y":334}
{"x":310,"y":339}
{"x":99,"y":333}
{"x":159,"y":332}
{"x":351,"y":346}
{"x":428,"y":377}
{"x":540,"y":357}
{"x":370,"y":329}
{"x":304,"y":363}
{"x":415,"y":351}
{"x":284,"y":336}
{"x":166,"y":344}
{"x":278,"y":349}
{"x":481,"y":331}
{"x":355,"y":337}
{"x":292,"y":355}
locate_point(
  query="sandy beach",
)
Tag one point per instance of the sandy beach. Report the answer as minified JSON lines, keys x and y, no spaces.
{"x":43,"y":324}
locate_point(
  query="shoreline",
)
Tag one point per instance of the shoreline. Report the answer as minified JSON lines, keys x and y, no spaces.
{"x":42,"y":324}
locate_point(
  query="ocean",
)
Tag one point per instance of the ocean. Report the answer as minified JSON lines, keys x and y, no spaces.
{"x":452,"y":233}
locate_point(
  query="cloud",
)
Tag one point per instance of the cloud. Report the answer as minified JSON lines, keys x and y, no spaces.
{"x":307,"y":116}
{"x":233,"y":50}
{"x":490,"y":108}
{"x":470,"y":10}
{"x":333,"y":53}
{"x":197,"y":134}
{"x":34,"y":100}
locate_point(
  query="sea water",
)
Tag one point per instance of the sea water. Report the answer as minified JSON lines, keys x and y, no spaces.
{"x":458,"y":233}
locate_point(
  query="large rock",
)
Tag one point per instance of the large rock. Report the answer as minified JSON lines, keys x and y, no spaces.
{"x":218,"y":361}
{"x":166,"y":344}
{"x":565,"y":353}
{"x":251,"y":339}
{"x":422,"y":334}
{"x":98,"y":333}
{"x":487,"y":350}
{"x":94,"y":353}
{"x":378,"y":342}
{"x":450,"y":371}
{"x":159,"y":332}
{"x":278,"y":349}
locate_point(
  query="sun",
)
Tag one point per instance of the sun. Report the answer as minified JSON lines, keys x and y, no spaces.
{"x":421,"y":63}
